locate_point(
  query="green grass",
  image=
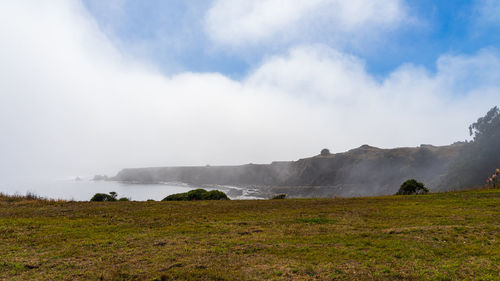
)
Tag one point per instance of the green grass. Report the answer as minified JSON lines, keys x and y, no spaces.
{"x":445,"y":236}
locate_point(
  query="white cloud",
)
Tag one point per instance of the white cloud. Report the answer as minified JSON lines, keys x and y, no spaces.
{"x":488,"y":11}
{"x":70,"y":103}
{"x":242,"y":22}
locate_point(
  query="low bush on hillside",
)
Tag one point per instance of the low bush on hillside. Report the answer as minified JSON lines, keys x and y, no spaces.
{"x":101,"y":197}
{"x":111,"y":197}
{"x":412,"y":187}
{"x":197,"y":194}
{"x":278,"y":197}
{"x":325,"y":152}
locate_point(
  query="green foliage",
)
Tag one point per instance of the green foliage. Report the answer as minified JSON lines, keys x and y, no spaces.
{"x":176,"y":197}
{"x":325,"y":152}
{"x":197,"y":194}
{"x":102,"y":197}
{"x":113,"y":194}
{"x":279,"y":196}
{"x":486,"y":126}
{"x":479,"y":157}
{"x":412,"y":187}
{"x":111,"y":197}
{"x":215,"y":195}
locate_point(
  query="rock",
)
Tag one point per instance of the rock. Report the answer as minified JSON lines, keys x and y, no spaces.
{"x":100,"y":178}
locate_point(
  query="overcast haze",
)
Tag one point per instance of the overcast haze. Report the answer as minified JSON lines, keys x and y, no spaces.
{"x":92,"y":87}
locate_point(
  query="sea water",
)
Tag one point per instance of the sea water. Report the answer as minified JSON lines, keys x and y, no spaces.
{"x":82,"y":189}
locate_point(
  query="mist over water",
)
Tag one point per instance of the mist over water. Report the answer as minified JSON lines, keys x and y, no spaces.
{"x":69,"y":189}
{"x":82,"y":190}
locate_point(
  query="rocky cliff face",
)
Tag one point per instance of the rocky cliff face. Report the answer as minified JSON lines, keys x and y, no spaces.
{"x":359,"y":172}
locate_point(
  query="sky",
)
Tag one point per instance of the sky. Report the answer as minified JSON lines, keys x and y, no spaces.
{"x":92,"y":86}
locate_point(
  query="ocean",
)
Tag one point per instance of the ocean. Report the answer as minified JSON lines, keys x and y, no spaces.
{"x":84,"y":188}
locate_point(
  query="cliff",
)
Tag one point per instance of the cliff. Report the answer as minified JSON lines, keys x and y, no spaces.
{"x":363,"y":171}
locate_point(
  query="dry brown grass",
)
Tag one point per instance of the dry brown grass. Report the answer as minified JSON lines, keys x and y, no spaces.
{"x":447,"y":236}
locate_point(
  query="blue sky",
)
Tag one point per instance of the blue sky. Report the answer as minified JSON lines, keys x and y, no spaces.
{"x":171,"y":34}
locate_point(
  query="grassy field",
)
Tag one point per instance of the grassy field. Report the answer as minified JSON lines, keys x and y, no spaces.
{"x":447,"y":236}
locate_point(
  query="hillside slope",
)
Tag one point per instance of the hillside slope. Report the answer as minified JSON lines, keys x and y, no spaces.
{"x":362,"y":171}
{"x":446,"y":236}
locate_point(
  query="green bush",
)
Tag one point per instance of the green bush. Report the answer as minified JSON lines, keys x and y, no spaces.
{"x":215,"y":195}
{"x":102,"y":197}
{"x":279,"y":196}
{"x":412,"y":187}
{"x":197,"y":194}
{"x":124,"y":199}
{"x":177,"y":197}
{"x":325,"y":152}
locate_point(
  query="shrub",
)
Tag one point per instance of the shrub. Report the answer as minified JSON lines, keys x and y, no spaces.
{"x":102,"y":197}
{"x":177,"y":197}
{"x":325,"y":152}
{"x":412,"y":187}
{"x":99,"y":197}
{"x":197,"y":194}
{"x":124,"y":199}
{"x":215,"y":195}
{"x":279,"y":196}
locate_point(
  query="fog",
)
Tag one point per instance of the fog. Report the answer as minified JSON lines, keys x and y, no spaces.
{"x":71,"y":103}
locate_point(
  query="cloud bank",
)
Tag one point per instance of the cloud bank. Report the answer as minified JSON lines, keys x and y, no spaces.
{"x":72,"y":104}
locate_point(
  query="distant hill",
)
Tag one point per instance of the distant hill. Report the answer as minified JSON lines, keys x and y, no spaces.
{"x":362,"y":171}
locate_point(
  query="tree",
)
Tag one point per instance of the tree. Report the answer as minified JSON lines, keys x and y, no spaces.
{"x":486,"y":126}
{"x":477,"y":158}
{"x":102,"y":197}
{"x":114,"y":195}
{"x":412,"y":187}
{"x":325,"y":152}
